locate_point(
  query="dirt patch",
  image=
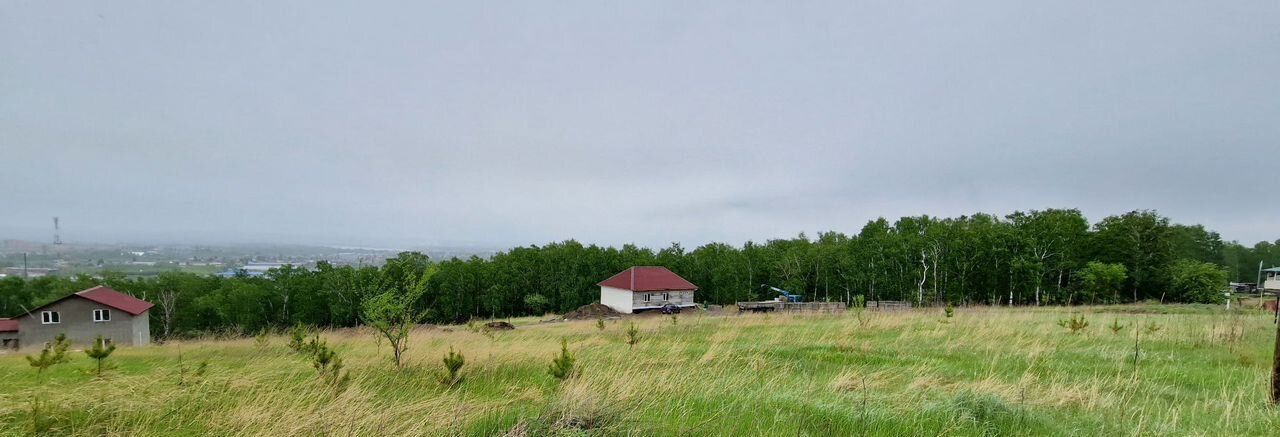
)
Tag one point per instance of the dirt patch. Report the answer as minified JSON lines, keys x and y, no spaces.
{"x":499,"y":326}
{"x":591,"y":312}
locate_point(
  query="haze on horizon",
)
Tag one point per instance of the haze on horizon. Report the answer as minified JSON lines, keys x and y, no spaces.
{"x":408,"y":123}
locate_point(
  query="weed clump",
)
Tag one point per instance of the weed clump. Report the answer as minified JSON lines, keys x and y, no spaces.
{"x":600,"y":324}
{"x":990,"y":414}
{"x":196,"y":373}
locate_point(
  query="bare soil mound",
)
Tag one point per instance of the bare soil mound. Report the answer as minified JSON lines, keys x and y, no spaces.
{"x":499,"y":326}
{"x":590,"y":312}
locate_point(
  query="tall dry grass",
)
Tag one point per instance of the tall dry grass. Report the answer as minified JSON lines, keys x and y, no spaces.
{"x":986,"y":371}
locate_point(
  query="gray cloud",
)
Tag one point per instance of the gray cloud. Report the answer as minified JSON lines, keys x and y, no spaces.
{"x":402,"y":123}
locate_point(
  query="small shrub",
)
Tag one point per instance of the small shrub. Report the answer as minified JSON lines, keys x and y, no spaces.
{"x":51,"y":354}
{"x":1152,"y":328}
{"x":675,"y":320}
{"x":453,"y":363}
{"x":1076,"y":323}
{"x":1115,"y":326}
{"x":859,"y":301}
{"x":950,"y":311}
{"x":633,"y":334}
{"x":562,"y":365}
{"x":600,"y":324}
{"x":100,"y":351}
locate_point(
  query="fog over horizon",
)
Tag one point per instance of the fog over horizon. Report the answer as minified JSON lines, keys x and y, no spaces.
{"x":405,"y":124}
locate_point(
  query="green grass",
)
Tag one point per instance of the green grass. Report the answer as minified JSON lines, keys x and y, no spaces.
{"x":983,"y":372}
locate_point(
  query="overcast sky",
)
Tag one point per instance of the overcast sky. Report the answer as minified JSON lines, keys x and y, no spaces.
{"x":504,"y":123}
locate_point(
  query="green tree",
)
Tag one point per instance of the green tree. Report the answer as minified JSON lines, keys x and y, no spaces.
{"x":393,"y":313}
{"x":536,"y":303}
{"x":1101,"y":280}
{"x":1143,"y":242}
{"x":1195,"y":281}
{"x":1047,"y":241}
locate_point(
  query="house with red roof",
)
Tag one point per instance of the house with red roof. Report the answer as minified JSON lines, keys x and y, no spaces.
{"x":83,"y":316}
{"x":646,"y":288}
{"x":8,"y":334}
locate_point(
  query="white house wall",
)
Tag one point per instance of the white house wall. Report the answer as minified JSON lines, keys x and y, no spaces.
{"x":682,"y":298}
{"x":1271,"y":282}
{"x":616,"y":298}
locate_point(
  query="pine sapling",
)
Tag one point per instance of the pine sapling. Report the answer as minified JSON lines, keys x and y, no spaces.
{"x":100,"y":351}
{"x":51,"y":354}
{"x":950,"y":311}
{"x":453,"y":363}
{"x":298,"y":338}
{"x":327,"y":362}
{"x":600,"y":324}
{"x":1116,"y":327}
{"x":1076,"y":323}
{"x":633,"y":335}
{"x":263,"y":339}
{"x":562,"y":365}
{"x":1152,"y":328}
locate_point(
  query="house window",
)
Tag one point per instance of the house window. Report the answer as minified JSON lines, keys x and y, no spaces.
{"x":648,"y":296}
{"x":50,"y":318}
{"x":102,"y":315}
{"x":666,"y":296}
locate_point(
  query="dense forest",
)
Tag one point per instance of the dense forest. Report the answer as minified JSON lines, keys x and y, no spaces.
{"x":1050,"y":257}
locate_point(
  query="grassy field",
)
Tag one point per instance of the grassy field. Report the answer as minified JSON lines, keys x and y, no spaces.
{"x":983,"y":372}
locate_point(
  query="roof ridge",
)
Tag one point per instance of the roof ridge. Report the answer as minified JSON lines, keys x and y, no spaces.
{"x":91,"y":289}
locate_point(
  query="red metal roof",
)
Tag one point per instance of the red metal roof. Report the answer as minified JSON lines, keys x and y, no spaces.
{"x":8,"y":325}
{"x":648,"y":278}
{"x":116,"y":299}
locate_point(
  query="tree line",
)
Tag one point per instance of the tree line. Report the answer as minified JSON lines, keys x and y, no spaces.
{"x":1048,"y":257}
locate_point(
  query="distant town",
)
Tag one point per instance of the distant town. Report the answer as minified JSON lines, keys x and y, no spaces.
{"x":33,"y":259}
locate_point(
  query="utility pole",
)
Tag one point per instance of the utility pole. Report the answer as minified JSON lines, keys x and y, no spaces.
{"x":1275,"y":362}
{"x":24,"y":265}
{"x":1259,"y":283}
{"x":58,"y":233}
